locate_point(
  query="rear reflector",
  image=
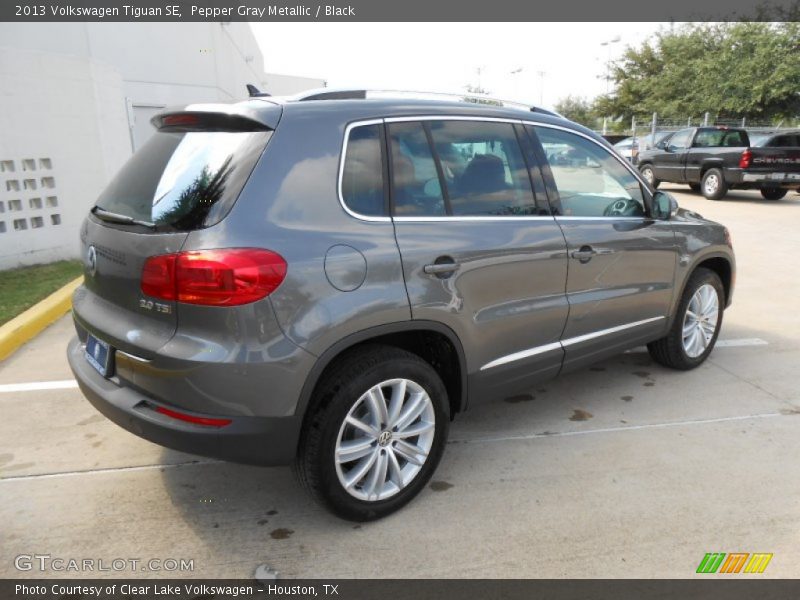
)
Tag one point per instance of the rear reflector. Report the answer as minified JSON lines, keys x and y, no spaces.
{"x":745,"y":159}
{"x":228,"y":277}
{"x":208,"y":421}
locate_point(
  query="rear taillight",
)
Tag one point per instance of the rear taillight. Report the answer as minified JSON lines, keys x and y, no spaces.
{"x":746,"y":159}
{"x":227,"y":277}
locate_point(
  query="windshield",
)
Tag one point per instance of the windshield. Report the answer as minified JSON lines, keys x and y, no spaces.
{"x":184,"y":181}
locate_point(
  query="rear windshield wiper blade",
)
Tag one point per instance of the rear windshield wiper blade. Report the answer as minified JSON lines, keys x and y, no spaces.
{"x":112,"y":217}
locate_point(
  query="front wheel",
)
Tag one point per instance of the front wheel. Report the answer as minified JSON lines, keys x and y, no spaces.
{"x":713,"y":184}
{"x":376,"y":435}
{"x":649,"y":176}
{"x":773,"y":193}
{"x":696,"y":325}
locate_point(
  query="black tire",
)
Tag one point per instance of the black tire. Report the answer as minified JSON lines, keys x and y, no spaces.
{"x":669,"y":350}
{"x":337,"y":393}
{"x":713,"y":184}
{"x":647,"y":172}
{"x":695,"y":187}
{"x":773,"y":193}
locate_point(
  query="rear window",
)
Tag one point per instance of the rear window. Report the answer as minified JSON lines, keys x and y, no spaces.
{"x":184,"y":180}
{"x":362,"y":177}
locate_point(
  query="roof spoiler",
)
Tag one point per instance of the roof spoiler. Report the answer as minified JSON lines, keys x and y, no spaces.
{"x":185,"y":120}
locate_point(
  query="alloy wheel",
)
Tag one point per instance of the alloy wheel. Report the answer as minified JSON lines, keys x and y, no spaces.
{"x":700,"y":320}
{"x":385,"y":439}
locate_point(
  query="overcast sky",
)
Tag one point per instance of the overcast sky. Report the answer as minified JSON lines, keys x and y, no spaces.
{"x":445,"y":57}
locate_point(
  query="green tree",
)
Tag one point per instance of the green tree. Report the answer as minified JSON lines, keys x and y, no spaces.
{"x":577,"y":109}
{"x":731,"y":70}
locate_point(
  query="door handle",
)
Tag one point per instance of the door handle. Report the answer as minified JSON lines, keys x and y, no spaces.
{"x":441,"y":269}
{"x":585,"y":254}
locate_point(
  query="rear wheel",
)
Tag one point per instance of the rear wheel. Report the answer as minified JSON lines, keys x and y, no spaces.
{"x":649,"y":176}
{"x":377,"y":433}
{"x":696,"y":325}
{"x":773,"y":193}
{"x":713,"y":184}
{"x":695,"y":187}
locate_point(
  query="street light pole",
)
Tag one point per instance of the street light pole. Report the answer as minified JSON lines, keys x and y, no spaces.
{"x":541,"y":75}
{"x":608,"y":44}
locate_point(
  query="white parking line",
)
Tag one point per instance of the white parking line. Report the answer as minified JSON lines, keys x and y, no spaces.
{"x":66,"y":384}
{"x":531,"y":436}
{"x":36,"y":386}
{"x":477,"y":440}
{"x":189,"y":463}
{"x":741,"y":342}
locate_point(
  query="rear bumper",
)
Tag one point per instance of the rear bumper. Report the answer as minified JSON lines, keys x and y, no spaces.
{"x":252,"y":440}
{"x":758,"y":180}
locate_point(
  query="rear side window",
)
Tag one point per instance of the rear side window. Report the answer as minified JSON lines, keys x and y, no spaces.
{"x":184,"y":180}
{"x":784,"y":141}
{"x":483,"y":168}
{"x":362,"y":175}
{"x":460,"y":168}
{"x":415,"y":179}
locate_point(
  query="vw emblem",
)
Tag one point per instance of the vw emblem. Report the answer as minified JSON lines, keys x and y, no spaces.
{"x":91,"y":261}
{"x":384,"y":438}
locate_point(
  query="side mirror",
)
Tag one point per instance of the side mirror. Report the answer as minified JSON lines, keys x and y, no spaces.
{"x":664,"y":205}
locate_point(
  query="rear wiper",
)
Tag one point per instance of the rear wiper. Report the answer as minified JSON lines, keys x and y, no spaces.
{"x":112,"y":217}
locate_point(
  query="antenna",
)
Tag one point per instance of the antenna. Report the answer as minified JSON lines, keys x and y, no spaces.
{"x":254,"y":92}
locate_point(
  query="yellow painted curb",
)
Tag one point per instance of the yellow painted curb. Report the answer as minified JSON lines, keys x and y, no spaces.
{"x":27,"y":325}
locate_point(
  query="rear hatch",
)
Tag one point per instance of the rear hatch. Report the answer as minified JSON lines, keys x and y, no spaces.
{"x":186,"y":177}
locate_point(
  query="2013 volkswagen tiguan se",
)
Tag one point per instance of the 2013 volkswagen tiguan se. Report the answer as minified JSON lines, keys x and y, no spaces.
{"x":328,"y":280}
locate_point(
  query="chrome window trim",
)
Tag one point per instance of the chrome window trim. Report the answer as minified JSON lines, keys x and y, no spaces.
{"x":445,"y":219}
{"x":352,"y":213}
{"x":574,"y":218}
{"x":445,"y":117}
{"x":565,"y":343}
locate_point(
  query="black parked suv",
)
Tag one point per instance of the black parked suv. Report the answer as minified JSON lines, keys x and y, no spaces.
{"x":328,"y":280}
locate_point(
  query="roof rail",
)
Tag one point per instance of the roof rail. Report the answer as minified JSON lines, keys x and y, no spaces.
{"x":361,"y":94}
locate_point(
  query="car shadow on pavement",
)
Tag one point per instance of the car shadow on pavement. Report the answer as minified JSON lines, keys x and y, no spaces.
{"x":248,"y":515}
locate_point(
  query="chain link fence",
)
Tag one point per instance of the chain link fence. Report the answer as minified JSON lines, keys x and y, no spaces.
{"x":648,"y":132}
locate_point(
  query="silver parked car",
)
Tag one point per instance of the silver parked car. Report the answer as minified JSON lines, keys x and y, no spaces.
{"x":328,"y":280}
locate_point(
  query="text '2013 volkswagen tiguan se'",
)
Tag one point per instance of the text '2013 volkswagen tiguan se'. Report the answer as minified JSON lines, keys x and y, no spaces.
{"x":327,"y":280}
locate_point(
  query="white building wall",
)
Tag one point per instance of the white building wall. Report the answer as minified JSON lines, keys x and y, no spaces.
{"x":63,"y":136}
{"x":286,"y":85}
{"x":81,"y":95}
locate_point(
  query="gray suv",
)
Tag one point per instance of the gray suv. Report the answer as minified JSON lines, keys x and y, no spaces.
{"x":328,"y":280}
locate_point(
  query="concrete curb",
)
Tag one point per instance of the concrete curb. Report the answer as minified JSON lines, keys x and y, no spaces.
{"x":27,"y":325}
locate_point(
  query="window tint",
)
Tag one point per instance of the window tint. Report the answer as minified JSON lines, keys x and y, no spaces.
{"x":184,"y":180}
{"x":590,"y":181}
{"x":362,"y":176}
{"x":415,"y":181}
{"x":784,"y":141}
{"x":483,"y":168}
{"x":680,"y":139}
{"x":708,"y":138}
